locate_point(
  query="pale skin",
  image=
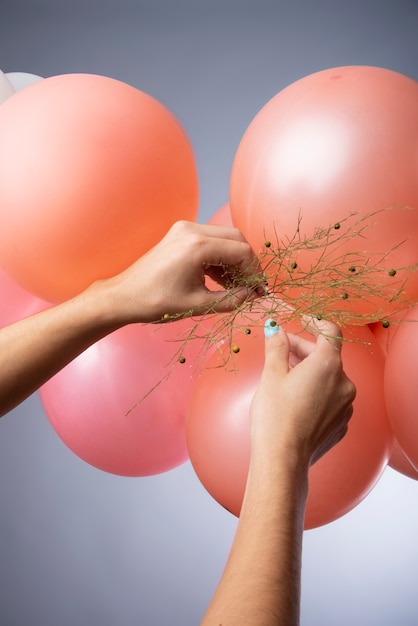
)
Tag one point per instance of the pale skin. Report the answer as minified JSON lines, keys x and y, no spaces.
{"x":300,"y":410}
{"x":169,"y":279}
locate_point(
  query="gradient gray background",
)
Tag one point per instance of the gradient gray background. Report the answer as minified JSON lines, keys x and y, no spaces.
{"x":81,"y":547}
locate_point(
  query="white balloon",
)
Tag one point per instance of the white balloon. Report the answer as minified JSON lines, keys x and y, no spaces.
{"x":6,"y":87}
{"x":20,"y":80}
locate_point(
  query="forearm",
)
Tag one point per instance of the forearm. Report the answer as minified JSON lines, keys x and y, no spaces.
{"x":168,"y":279}
{"x":298,"y":413}
{"x":34,"y":349}
{"x":261,"y":582}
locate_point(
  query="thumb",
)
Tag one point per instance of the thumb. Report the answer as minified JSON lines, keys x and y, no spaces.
{"x":277,"y":347}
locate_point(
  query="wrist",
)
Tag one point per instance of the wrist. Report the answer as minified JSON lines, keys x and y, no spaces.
{"x":280,"y":448}
{"x":280,"y":475}
{"x":113,"y":304}
{"x":99,"y":308}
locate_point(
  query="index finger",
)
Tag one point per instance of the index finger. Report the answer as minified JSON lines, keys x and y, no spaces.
{"x":219,"y":231}
{"x":235,"y":256}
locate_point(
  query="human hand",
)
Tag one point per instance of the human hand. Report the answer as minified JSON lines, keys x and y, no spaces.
{"x":304,"y":400}
{"x":170,"y":278}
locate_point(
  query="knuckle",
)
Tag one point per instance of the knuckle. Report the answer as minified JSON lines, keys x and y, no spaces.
{"x":332,"y":363}
{"x":238,"y":234}
{"x":181,"y":226}
{"x":195,"y":240}
{"x":351,"y":389}
{"x":343,"y":431}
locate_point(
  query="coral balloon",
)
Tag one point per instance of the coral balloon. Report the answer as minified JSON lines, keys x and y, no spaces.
{"x":93,"y":172}
{"x":400,"y":462}
{"x":15,"y":302}
{"x":324,"y":174}
{"x":401,"y":382}
{"x":217,"y":429}
{"x":384,"y":334}
{"x":121,"y":405}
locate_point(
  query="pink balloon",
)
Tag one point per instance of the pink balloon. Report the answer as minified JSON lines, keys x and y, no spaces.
{"x":398,"y":459}
{"x":401,"y":382}
{"x":217,"y":428}
{"x":400,"y":462}
{"x":15,"y":302}
{"x":112,"y":406}
{"x":334,"y":150}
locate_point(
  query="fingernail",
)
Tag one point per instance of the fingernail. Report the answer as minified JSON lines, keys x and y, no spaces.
{"x":261,"y":289}
{"x":271,"y":328}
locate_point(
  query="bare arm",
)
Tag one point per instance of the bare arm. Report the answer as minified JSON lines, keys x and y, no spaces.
{"x":169,"y":279}
{"x":297,"y":414}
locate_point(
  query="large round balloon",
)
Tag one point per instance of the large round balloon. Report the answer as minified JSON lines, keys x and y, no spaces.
{"x":400,"y":462}
{"x":120,"y":405}
{"x":217,"y":427}
{"x":93,"y":172}
{"x":325,"y":175}
{"x":401,"y":382}
{"x":15,"y":302}
{"x":384,"y":334}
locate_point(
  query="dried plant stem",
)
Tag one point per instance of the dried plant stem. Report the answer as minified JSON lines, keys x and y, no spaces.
{"x":304,"y":276}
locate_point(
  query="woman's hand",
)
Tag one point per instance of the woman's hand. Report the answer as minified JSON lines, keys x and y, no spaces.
{"x":170,"y":279}
{"x":304,"y":408}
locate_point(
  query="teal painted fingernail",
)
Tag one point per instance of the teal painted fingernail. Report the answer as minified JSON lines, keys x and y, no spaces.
{"x":271,"y":328}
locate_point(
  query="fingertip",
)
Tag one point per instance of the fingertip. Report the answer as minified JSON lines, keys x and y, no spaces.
{"x":276,"y":346}
{"x":323,"y":330}
{"x":275,"y":335}
{"x":271,"y":328}
{"x":332,"y":335}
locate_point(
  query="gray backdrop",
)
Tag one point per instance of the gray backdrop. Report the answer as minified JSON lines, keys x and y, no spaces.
{"x":81,"y":547}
